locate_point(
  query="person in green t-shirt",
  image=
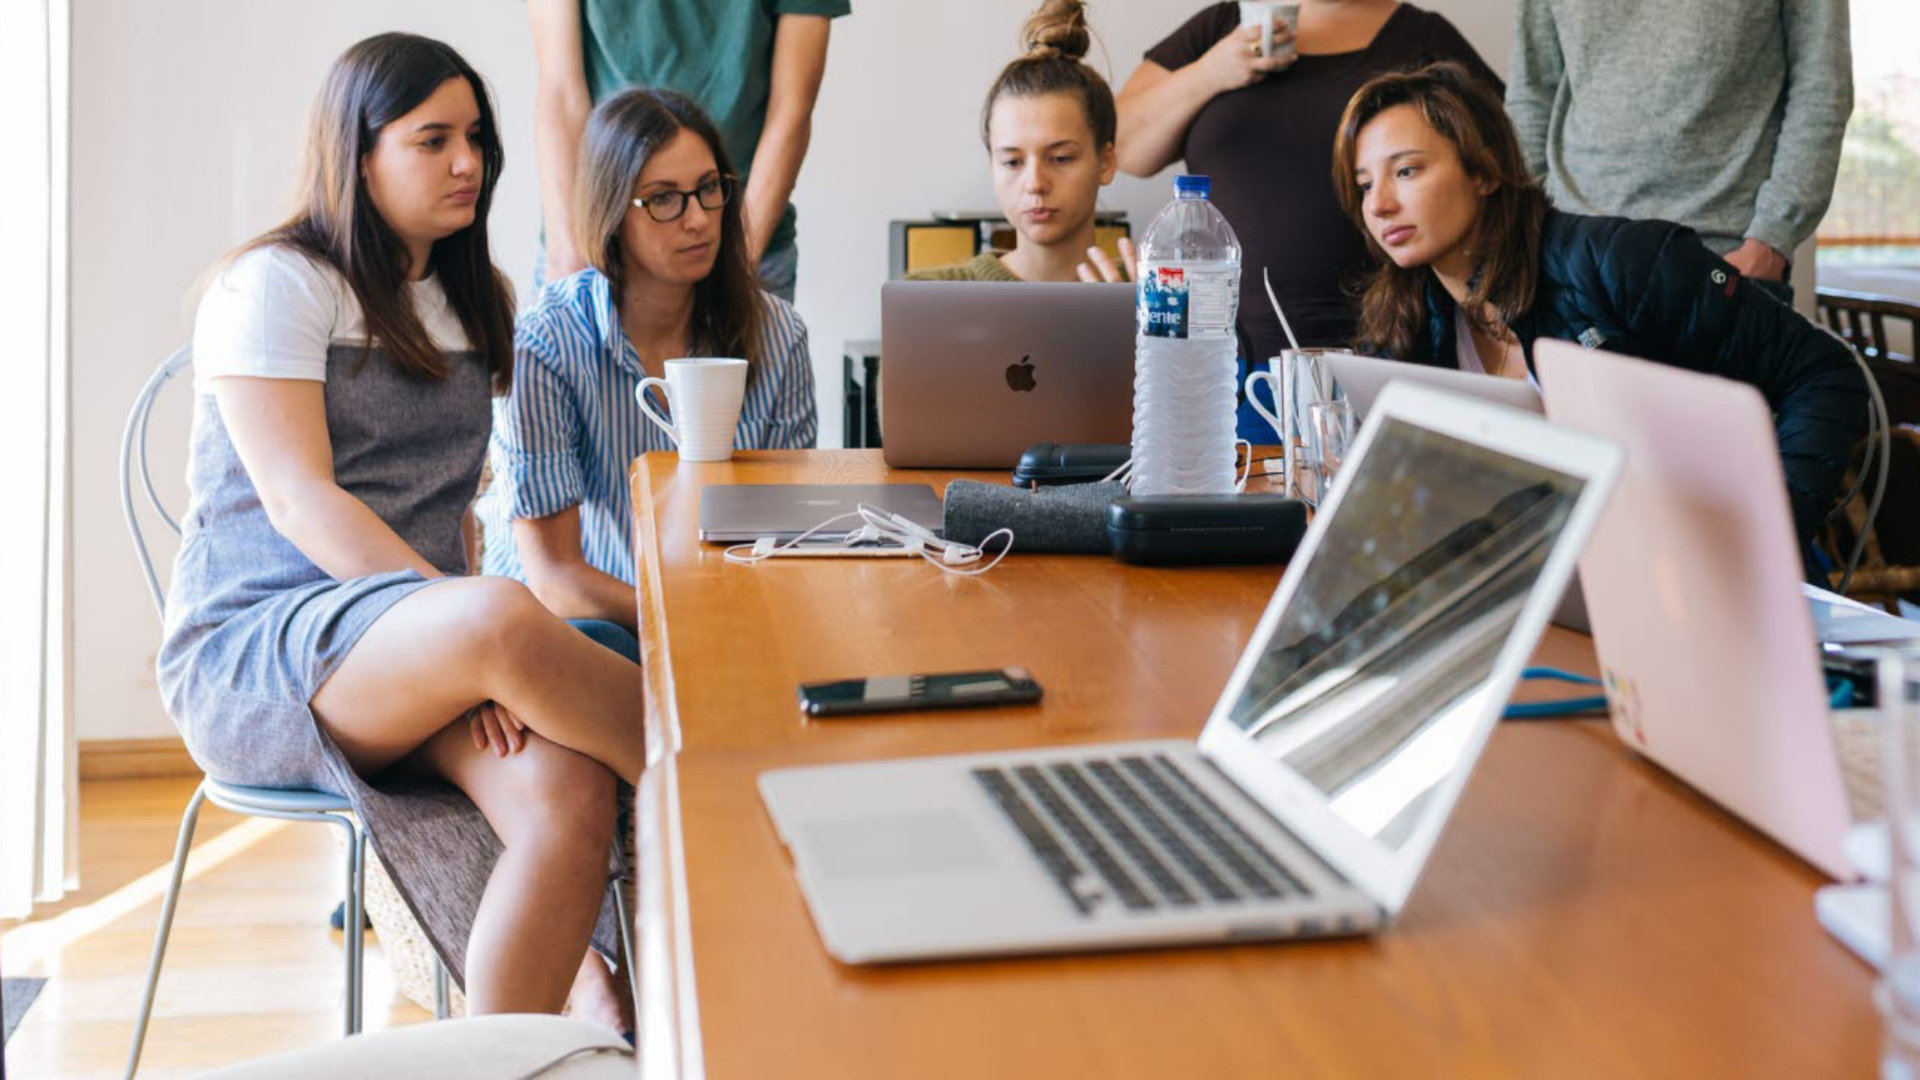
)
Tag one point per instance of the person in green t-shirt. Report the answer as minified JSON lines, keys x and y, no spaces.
{"x":754,"y":66}
{"x":1048,"y":125}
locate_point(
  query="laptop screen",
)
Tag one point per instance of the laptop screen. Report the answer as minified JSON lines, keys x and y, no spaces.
{"x":1372,"y":680}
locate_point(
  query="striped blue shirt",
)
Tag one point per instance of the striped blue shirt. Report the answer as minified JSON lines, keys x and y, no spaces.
{"x":569,"y":429}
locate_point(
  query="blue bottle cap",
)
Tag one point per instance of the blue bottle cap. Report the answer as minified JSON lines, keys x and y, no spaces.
{"x":1196,"y":187}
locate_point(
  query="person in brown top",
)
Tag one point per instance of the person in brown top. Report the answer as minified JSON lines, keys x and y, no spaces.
{"x":1263,"y":128}
{"x":1048,"y":125}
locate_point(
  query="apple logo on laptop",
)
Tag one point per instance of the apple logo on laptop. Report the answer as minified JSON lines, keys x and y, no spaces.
{"x":1020,"y":376}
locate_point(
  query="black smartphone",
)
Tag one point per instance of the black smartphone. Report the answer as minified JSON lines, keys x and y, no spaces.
{"x":892,"y":693}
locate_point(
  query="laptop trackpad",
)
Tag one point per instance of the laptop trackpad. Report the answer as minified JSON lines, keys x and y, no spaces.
{"x":914,"y":843}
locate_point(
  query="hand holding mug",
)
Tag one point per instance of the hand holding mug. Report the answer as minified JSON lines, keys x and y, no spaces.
{"x":1235,"y":61}
{"x":1275,"y":20}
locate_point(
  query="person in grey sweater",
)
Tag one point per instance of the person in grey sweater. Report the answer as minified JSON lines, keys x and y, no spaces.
{"x":1724,"y":116}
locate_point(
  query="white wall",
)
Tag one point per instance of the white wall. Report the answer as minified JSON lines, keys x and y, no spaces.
{"x":187,"y":122}
{"x":186,"y":129}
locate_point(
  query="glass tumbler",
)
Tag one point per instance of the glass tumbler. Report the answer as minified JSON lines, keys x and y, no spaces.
{"x":1899,"y":991}
{"x":1330,"y":431}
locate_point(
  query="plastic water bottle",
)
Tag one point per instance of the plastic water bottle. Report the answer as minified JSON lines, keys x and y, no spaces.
{"x":1184,"y":371}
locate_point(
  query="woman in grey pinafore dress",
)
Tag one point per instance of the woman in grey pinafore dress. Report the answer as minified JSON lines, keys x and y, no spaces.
{"x":319,"y":634}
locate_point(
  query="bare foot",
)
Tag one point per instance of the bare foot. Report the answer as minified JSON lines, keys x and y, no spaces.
{"x":599,"y":997}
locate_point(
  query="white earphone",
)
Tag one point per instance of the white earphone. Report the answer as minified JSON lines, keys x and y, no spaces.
{"x":878,"y":524}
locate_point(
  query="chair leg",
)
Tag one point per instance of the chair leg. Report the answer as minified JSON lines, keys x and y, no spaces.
{"x":357,"y":941}
{"x":188,"y":822}
{"x":626,"y":940}
{"x":353,"y":932}
{"x":442,"y":999}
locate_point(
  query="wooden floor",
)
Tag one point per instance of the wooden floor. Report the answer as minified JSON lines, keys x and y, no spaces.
{"x":253,"y":967}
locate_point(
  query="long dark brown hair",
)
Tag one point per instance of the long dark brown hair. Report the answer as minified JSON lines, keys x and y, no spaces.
{"x":1056,"y":37}
{"x":623,"y":132}
{"x":1505,"y":238}
{"x":371,"y":85}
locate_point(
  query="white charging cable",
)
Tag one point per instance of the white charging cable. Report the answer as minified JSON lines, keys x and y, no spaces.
{"x":949,"y":556}
{"x":1880,"y":443}
{"x":766,"y":547}
{"x":921,"y":541}
{"x":1124,"y":474}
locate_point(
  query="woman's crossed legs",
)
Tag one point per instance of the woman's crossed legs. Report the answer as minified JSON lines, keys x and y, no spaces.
{"x":405,"y":689}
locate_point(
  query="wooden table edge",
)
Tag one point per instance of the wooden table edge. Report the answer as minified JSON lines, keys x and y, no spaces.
{"x":656,"y":665}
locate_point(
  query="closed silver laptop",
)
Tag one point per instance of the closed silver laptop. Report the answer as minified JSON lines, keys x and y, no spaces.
{"x":741,"y":513}
{"x":1321,"y":782}
{"x":973,"y":373}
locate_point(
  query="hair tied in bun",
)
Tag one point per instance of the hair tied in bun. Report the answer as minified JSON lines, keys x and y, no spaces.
{"x":1055,"y":38}
{"x":1057,"y":31}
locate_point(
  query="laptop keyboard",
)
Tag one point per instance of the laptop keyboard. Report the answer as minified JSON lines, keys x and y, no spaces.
{"x":1136,"y":829}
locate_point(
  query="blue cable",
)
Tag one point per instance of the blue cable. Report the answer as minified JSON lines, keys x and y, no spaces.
{"x":1559,"y":676}
{"x":1839,"y":692}
{"x":1548,"y":710}
{"x":1545,"y":710}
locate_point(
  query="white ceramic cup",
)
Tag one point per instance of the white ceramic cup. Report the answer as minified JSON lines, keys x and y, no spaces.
{"x":1898,"y":995}
{"x":704,"y":394}
{"x":1298,"y":380}
{"x":1264,"y":14}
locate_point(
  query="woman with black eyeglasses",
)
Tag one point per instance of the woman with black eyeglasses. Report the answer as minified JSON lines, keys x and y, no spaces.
{"x":658,"y":217}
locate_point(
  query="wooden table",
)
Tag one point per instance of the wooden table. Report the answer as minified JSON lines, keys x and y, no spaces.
{"x":1584,"y":914}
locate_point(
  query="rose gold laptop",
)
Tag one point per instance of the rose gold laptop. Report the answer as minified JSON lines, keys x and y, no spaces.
{"x":1693,"y":584}
{"x":974,"y":372}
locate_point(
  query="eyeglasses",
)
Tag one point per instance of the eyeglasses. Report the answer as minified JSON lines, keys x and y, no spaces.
{"x":668,"y":205}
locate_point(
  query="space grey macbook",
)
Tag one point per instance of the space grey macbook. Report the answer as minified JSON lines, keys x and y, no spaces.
{"x":974,"y":372}
{"x":741,"y":513}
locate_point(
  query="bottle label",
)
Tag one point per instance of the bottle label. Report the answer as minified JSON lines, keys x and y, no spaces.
{"x":1181,"y":302}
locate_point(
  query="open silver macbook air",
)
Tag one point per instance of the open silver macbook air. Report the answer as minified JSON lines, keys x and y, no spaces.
{"x":1322,"y":779}
{"x":974,"y":372}
{"x":1705,"y":634}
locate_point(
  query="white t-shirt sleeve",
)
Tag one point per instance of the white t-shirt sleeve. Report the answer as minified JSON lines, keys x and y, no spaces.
{"x":270,"y":314}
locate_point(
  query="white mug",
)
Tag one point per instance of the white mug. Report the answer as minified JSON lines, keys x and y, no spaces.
{"x":704,"y":394}
{"x":1263,"y":13}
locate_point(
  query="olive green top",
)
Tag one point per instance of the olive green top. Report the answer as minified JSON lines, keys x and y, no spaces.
{"x":985,"y":266}
{"x":717,"y":52}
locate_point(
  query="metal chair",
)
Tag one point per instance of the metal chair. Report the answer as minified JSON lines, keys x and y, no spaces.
{"x":1861,"y":319}
{"x":309,"y":806}
{"x":1889,"y":569}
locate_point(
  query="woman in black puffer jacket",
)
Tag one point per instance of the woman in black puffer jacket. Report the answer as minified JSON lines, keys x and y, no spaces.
{"x":1475,"y":266}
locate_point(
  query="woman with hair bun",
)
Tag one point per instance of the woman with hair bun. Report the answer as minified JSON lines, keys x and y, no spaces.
{"x":1048,"y":125}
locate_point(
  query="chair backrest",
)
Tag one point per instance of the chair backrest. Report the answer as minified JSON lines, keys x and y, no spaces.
{"x":1861,"y":319}
{"x":133,"y":456}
